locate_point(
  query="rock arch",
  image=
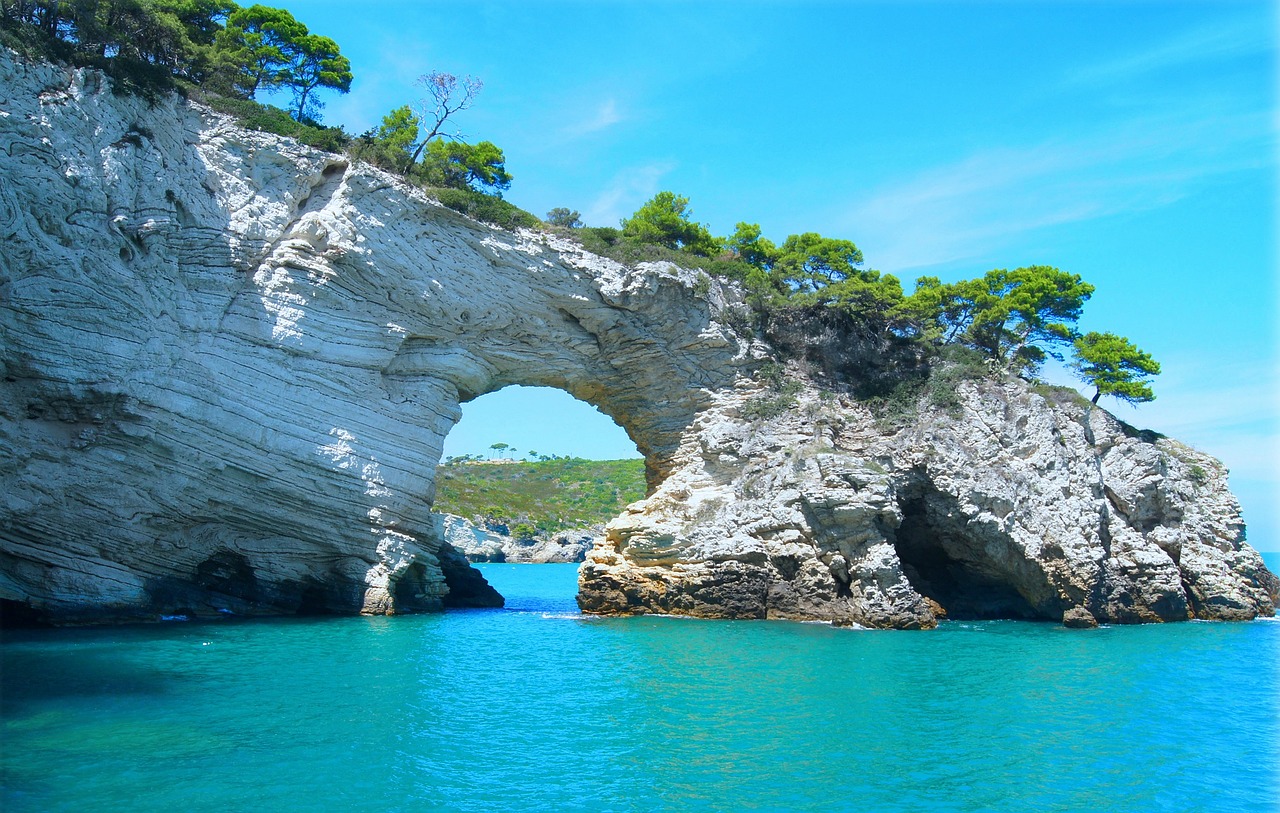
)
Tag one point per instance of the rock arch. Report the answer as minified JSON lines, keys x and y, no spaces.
{"x":230,"y":363}
{"x":222,"y":348}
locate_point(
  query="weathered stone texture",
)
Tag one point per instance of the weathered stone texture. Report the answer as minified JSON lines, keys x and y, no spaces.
{"x":229,"y":363}
{"x":485,"y":545}
{"x":1013,"y":506}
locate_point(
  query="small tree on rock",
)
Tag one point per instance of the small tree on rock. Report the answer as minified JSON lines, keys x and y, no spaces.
{"x":568,"y":218}
{"x":260,"y":40}
{"x":457,"y":165}
{"x":1114,"y":366}
{"x":666,"y":220}
{"x":315,"y":63}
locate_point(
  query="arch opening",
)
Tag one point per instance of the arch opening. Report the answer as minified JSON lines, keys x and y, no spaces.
{"x":532,"y":475}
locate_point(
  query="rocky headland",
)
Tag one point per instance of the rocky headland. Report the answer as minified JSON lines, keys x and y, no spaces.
{"x":230,"y":362}
{"x":480,"y":543}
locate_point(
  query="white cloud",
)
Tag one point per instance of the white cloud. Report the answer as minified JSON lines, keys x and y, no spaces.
{"x":973,"y":206}
{"x":1223,"y":40}
{"x":625,"y":192}
{"x":605,"y":115}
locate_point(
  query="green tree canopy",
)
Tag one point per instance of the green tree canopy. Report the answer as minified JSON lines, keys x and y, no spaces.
{"x":396,"y":136}
{"x":568,"y":218}
{"x":260,"y":42}
{"x":465,"y":166}
{"x":315,"y":62}
{"x":809,"y":262}
{"x":748,"y":245}
{"x":1012,"y":316}
{"x":1114,"y":366}
{"x":666,"y":220}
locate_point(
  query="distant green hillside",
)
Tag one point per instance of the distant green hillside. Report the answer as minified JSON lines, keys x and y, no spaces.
{"x":547,"y":495}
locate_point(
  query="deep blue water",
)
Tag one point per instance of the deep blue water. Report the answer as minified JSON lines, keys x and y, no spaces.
{"x":536,"y":708}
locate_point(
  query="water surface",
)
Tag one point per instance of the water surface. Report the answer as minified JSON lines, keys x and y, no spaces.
{"x":536,"y":708}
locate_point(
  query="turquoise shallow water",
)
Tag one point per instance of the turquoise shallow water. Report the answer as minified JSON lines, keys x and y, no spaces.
{"x":536,"y":708}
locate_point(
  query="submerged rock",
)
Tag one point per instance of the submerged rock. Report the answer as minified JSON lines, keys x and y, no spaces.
{"x":230,"y":363}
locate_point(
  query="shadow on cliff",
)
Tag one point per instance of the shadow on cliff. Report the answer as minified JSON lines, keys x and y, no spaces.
{"x":968,"y":570}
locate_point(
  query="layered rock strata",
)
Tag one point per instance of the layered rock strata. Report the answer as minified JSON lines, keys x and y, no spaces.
{"x":1010,"y":502}
{"x":229,"y":364}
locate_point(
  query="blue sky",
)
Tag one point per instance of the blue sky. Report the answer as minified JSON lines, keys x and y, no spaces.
{"x":1132,"y":143}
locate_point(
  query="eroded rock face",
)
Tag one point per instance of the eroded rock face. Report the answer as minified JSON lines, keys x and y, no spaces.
{"x":230,"y":361}
{"x":1011,"y":504}
{"x":483,"y":545}
{"x":229,"y":364}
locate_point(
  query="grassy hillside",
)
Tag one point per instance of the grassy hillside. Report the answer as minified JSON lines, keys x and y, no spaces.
{"x":547,"y":495}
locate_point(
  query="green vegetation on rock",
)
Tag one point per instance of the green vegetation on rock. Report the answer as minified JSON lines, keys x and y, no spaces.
{"x":810,"y":296}
{"x":547,"y":495}
{"x":224,"y":56}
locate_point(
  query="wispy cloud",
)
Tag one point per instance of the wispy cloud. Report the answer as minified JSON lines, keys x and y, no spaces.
{"x":625,"y":192}
{"x":603,"y":116}
{"x":1089,"y":168}
{"x":971,"y":207}
{"x":1223,"y":40}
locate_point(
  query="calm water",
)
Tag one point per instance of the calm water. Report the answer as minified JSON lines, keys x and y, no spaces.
{"x":536,"y":708}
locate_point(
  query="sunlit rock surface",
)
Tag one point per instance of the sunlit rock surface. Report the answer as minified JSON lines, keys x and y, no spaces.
{"x":1011,"y":504}
{"x":484,"y":545}
{"x":229,"y":364}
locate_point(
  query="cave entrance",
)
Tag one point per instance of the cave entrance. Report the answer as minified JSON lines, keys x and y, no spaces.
{"x":967,"y":568}
{"x":530,"y":475}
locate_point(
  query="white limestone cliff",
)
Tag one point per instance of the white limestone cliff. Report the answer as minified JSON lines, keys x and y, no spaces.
{"x":229,"y":363}
{"x":1014,"y":504}
{"x":485,"y":545}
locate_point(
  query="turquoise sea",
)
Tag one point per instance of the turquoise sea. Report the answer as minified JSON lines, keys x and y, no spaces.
{"x":534,"y":707}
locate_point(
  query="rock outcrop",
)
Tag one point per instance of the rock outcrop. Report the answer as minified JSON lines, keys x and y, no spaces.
{"x":485,"y":545}
{"x":1011,"y":503}
{"x":229,"y":364}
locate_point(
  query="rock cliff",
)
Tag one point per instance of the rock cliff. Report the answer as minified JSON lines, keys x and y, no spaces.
{"x":229,"y":364}
{"x":1010,"y":503}
{"x":484,"y":545}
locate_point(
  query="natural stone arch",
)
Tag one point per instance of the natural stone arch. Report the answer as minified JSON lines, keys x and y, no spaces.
{"x":236,"y":359}
{"x":230,"y":363}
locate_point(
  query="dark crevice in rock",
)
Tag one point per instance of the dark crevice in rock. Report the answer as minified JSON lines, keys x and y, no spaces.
{"x":787,"y":566}
{"x":949,"y":564}
{"x":412,"y":591}
{"x":229,"y":574}
{"x":20,"y":615}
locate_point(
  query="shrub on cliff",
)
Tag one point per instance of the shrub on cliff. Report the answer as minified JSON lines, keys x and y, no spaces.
{"x":254,"y":116}
{"x":552,"y":495}
{"x":666,"y":220}
{"x":486,"y":208}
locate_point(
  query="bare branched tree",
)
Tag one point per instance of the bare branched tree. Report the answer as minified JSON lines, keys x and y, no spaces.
{"x":444,"y":100}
